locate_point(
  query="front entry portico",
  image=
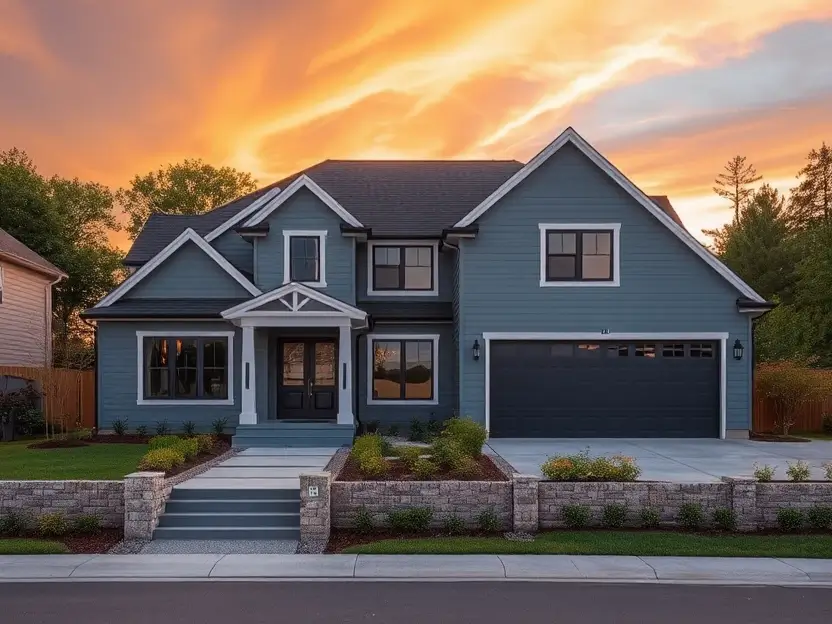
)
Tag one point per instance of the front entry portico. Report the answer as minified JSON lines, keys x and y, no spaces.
{"x":297,"y":356}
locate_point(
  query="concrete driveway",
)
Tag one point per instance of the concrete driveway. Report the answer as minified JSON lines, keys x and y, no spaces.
{"x":679,"y":461}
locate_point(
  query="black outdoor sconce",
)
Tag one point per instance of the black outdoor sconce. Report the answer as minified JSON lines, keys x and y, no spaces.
{"x":476,"y":350}
{"x":738,"y":349}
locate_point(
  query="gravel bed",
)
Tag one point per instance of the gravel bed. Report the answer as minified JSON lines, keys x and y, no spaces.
{"x":220,"y":547}
{"x":312,"y":547}
{"x":128,"y":547}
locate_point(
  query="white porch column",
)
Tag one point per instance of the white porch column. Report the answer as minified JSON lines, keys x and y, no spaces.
{"x":248,"y":415}
{"x":344,"y":376}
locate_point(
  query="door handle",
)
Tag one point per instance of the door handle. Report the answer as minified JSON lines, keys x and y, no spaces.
{"x":309,"y":387}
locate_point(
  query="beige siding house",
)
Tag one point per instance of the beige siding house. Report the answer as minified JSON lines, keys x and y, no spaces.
{"x":26,"y":281}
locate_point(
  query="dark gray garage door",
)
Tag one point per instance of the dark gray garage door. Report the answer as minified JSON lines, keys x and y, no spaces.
{"x":604,"y":389}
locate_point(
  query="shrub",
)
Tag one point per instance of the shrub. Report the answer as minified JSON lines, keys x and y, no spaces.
{"x":448,"y":454}
{"x":417,"y":431}
{"x":819,"y":517}
{"x":30,"y":422}
{"x":367,"y":451}
{"x":789,"y":519}
{"x":162,"y":459}
{"x":162,"y":428}
{"x":189,"y":447}
{"x":53,"y":524}
{"x":409,"y":455}
{"x":798,"y":471}
{"x":827,"y":469}
{"x":425,"y":469}
{"x":488,"y":521}
{"x":582,"y":467}
{"x":725,"y":519}
{"x":159,"y":442}
{"x":14,"y":523}
{"x":412,"y":519}
{"x":120,"y":426}
{"x":467,"y":469}
{"x":614,"y":515}
{"x":434,"y":429}
{"x":373,"y":466}
{"x":363,"y":520}
{"x":141,"y":430}
{"x":86,"y":524}
{"x":189,"y":428}
{"x":575,"y":516}
{"x":615,"y":468}
{"x":788,"y":385}
{"x":205,"y":442}
{"x":764,"y":473}
{"x":80,"y":434}
{"x":690,"y":516}
{"x":826,"y":419}
{"x":469,"y":435}
{"x":393,"y":431}
{"x":453,"y":525}
{"x":218,"y":425}
{"x":650,"y":518}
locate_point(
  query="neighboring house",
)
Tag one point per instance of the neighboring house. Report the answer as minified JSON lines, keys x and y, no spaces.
{"x":551,"y":299}
{"x":26,"y":281}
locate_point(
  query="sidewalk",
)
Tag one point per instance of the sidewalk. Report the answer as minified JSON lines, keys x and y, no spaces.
{"x":712,"y":570}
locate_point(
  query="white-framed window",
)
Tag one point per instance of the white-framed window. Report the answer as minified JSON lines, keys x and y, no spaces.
{"x":402,"y":369}
{"x":2,"y":283}
{"x":580,"y":254}
{"x":304,"y":257}
{"x":403,"y":268}
{"x":185,"y":367}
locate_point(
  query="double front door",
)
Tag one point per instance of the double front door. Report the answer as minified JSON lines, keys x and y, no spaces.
{"x":307,"y":384}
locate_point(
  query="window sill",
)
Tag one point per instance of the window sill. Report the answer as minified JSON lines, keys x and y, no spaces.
{"x":402,"y":293}
{"x":185,"y":402}
{"x":613,"y":284}
{"x":401,"y":403}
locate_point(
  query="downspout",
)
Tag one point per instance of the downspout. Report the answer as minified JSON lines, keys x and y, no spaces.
{"x":48,"y":316}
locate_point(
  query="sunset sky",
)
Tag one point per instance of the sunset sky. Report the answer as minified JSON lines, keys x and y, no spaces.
{"x":668,"y":91}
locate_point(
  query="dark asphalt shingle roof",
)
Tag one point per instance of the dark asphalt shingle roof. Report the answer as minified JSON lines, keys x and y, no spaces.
{"x":13,"y":249}
{"x":407,"y":311}
{"x":393,"y":197}
{"x":163,"y":308}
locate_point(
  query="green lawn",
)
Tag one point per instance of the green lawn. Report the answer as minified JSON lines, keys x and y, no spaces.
{"x":612,"y":543}
{"x":31,"y":547}
{"x":96,"y":461}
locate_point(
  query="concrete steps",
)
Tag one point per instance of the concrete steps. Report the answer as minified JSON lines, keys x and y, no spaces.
{"x":279,"y":434}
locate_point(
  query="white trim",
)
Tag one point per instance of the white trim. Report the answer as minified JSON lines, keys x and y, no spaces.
{"x":253,"y":207}
{"x":2,"y":282}
{"x":571,"y":136}
{"x":141,"y":335}
{"x":249,"y":308}
{"x":292,"y":321}
{"x":248,"y":392}
{"x":586,"y":227}
{"x":344,"y":376}
{"x":159,"y":258}
{"x":303,"y":181}
{"x":287,"y":270}
{"x":434,"y":245}
{"x":722,"y":337}
{"x":434,"y":372}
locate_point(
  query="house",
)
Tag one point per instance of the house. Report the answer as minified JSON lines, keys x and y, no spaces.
{"x":26,"y":281}
{"x":551,"y":299}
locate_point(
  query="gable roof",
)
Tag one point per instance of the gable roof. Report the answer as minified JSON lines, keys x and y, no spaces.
{"x":674,"y":225}
{"x":18,"y":253}
{"x":295,"y":289}
{"x":187,"y":236}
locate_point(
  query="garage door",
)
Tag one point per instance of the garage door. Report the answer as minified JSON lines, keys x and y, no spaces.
{"x":604,"y":389}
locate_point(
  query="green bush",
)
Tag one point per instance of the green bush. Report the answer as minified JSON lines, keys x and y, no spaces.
{"x":409,"y":455}
{"x":488,"y":521}
{"x":189,"y":428}
{"x":15,"y":523}
{"x":205,"y":442}
{"x":425,"y":469}
{"x":434,"y":429}
{"x":614,"y":515}
{"x":582,"y":467}
{"x":448,"y":453}
{"x":650,"y":518}
{"x":363,"y":521}
{"x":819,"y":517}
{"x":418,"y":433}
{"x":372,"y":426}
{"x":764,"y":473}
{"x":467,"y":470}
{"x":141,"y":430}
{"x":86,"y":524}
{"x":189,"y":447}
{"x":367,"y":451}
{"x":725,"y":519}
{"x":162,"y":428}
{"x":453,"y":525}
{"x":690,"y":516}
{"x":30,"y":422}
{"x":827,"y":423}
{"x":162,"y":459}
{"x":798,"y":471}
{"x":575,"y":516}
{"x":53,"y":524}
{"x":393,"y":431}
{"x":120,"y":426}
{"x":218,"y":425}
{"x":789,"y":519}
{"x":410,"y":520}
{"x":469,"y":435}
{"x":160,"y":442}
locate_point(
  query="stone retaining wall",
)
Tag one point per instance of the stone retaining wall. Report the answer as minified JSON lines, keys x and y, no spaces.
{"x":145,"y":494}
{"x":104,"y":499}
{"x":772,"y":496}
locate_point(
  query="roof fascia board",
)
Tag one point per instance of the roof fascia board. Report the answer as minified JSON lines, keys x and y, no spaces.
{"x":244,"y":213}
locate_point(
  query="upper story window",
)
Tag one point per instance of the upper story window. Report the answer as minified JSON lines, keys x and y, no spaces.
{"x":304,"y":257}
{"x":579,"y":254}
{"x":402,"y":268}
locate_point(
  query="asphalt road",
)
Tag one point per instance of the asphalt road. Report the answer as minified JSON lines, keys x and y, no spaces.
{"x":405,"y":603}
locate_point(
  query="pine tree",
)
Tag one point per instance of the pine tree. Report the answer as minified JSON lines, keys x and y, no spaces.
{"x":811,"y":201}
{"x":734,"y":184}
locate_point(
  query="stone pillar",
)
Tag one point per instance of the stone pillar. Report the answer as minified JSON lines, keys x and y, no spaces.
{"x":344,"y":375}
{"x":744,"y":501}
{"x":525,"y":489}
{"x":314,"y":509}
{"x":248,"y":415}
{"x":145,"y":494}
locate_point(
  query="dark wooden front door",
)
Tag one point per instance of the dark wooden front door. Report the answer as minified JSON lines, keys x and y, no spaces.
{"x":307,"y":388}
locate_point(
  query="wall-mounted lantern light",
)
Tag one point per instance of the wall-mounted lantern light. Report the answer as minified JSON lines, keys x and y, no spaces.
{"x":738,"y":349}
{"x":476,"y":350}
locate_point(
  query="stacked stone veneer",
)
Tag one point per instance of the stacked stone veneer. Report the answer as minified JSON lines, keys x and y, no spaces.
{"x":145,"y":494}
{"x":104,"y":499}
{"x":769,"y":497}
{"x":315,"y":510}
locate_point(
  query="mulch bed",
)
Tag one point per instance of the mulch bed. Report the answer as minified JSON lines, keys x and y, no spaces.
{"x":775,"y":437}
{"x":116,"y":439}
{"x":219,"y":448}
{"x":399,"y":472}
{"x":91,"y":544}
{"x":339,"y":539}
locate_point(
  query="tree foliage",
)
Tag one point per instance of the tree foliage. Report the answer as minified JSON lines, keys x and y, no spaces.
{"x":789,"y":385}
{"x":186,"y":188}
{"x":735,"y":183}
{"x":811,"y":200}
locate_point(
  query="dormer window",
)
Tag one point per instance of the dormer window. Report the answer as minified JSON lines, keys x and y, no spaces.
{"x":304,"y":257}
{"x":402,"y":268}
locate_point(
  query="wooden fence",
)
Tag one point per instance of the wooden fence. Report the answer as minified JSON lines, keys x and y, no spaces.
{"x":67,"y":394}
{"x":809,"y":416}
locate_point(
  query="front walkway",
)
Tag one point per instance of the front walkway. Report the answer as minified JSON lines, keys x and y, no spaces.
{"x":262,"y":469}
{"x":677,"y":461}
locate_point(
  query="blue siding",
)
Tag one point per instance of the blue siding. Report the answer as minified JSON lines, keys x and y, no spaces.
{"x":401,"y":415}
{"x":236,"y":250}
{"x":304,"y":211}
{"x":188,"y":273}
{"x":447,"y":260}
{"x":117,"y":379}
{"x":665,"y":287}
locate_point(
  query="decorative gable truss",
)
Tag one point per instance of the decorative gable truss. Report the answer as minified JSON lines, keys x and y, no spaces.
{"x":295,"y":300}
